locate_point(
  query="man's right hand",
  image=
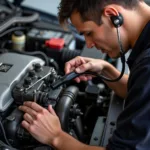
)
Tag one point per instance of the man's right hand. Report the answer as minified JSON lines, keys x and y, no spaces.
{"x":81,"y":64}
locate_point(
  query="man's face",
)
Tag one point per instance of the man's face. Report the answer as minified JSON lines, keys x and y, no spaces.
{"x":103,"y":37}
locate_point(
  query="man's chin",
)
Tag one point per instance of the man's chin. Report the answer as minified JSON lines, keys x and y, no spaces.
{"x":113,"y":56}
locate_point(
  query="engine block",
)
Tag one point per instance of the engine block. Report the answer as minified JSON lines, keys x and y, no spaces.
{"x":12,"y":68}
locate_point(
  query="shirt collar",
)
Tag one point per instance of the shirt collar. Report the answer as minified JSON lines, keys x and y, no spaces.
{"x":141,"y":44}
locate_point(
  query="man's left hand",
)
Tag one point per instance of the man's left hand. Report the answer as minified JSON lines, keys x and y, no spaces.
{"x":41,"y":123}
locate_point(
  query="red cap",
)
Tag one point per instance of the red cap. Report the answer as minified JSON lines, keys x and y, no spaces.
{"x":55,"y":43}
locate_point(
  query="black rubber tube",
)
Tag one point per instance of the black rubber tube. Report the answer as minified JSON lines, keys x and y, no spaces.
{"x":63,"y":106}
{"x":69,"y":54}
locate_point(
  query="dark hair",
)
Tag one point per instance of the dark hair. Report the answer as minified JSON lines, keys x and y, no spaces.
{"x":89,"y":9}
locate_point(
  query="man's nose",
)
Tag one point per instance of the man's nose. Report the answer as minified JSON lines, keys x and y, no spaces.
{"x":89,"y":43}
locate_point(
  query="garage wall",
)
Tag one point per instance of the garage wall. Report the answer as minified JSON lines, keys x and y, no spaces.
{"x":44,"y":5}
{"x":47,"y":5}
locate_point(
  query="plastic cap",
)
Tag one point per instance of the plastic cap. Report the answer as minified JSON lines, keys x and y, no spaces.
{"x":55,"y":43}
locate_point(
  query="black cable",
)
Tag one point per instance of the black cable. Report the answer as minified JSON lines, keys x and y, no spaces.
{"x":36,"y":53}
{"x":39,"y":53}
{"x":119,"y":41}
{"x":73,"y":75}
{"x":54,"y":64}
{"x":122,"y":60}
{"x":48,"y":61}
{"x":10,"y":5}
{"x":17,"y":2}
{"x":11,"y":30}
{"x":4,"y":134}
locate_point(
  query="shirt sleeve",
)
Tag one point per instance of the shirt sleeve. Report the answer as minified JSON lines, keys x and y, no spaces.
{"x":133,"y":124}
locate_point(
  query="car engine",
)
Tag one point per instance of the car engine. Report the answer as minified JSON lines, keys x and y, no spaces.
{"x":33,"y":52}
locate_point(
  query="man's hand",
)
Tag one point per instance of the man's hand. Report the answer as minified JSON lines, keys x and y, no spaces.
{"x":44,"y":126}
{"x":82,"y":64}
{"x":41,"y":123}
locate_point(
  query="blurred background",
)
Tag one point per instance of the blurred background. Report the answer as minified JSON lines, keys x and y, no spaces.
{"x":48,"y":5}
{"x":45,"y":5}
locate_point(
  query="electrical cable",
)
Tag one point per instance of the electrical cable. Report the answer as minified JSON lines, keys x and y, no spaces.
{"x":11,"y":30}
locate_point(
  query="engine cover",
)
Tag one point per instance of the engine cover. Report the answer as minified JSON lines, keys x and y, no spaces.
{"x":12,"y":68}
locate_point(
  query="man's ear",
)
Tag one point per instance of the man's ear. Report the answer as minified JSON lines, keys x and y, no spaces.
{"x":110,"y":11}
{"x":114,"y":16}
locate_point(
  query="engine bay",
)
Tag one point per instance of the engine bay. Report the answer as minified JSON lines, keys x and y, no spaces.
{"x":33,"y":52}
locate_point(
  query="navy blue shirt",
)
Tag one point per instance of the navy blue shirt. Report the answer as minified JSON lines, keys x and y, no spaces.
{"x":133,"y":124}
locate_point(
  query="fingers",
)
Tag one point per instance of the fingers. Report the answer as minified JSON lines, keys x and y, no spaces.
{"x":33,"y":105}
{"x":77,"y":80}
{"x":51,"y":110}
{"x":25,"y":124}
{"x":28,"y":118}
{"x":83,"y":78}
{"x":74,"y":63}
{"x":79,"y":64}
{"x":31,"y":110}
{"x":67,"y":68}
{"x":28,"y":110}
{"x":89,"y":77}
{"x":84,"y":67}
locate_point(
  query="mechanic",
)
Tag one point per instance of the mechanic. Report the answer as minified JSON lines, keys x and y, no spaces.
{"x":92,"y":18}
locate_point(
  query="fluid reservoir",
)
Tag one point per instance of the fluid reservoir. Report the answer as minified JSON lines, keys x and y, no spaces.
{"x":18,"y":40}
